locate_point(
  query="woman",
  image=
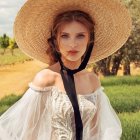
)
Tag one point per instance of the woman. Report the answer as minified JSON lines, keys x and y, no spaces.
{"x":65,"y":101}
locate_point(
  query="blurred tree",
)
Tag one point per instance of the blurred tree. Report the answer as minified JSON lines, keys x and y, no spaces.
{"x":4,"y":42}
{"x":12,"y":45}
{"x":130,"y":52}
{"x":132,"y":46}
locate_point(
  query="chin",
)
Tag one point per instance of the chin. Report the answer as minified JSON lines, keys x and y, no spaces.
{"x":73,"y":60}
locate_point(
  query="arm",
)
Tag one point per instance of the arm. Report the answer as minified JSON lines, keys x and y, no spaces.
{"x":30,"y":117}
{"x":105,"y":124}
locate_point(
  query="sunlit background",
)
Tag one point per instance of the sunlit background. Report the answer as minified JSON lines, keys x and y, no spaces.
{"x":8,"y":11}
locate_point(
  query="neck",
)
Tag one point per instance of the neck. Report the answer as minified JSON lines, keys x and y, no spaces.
{"x":71,"y":64}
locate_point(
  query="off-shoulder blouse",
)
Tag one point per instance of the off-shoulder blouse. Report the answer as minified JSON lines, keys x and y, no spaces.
{"x":47,"y":114}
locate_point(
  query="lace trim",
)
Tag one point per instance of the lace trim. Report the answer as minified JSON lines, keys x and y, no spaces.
{"x":48,"y":88}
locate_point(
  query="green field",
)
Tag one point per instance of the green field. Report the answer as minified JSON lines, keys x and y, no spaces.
{"x":124,"y":95}
{"x":8,"y":58}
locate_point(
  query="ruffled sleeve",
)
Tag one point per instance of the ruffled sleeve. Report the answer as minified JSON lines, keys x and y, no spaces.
{"x":106,"y":124}
{"x":29,"y":118}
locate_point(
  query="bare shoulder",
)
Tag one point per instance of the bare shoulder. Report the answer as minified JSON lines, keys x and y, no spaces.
{"x":44,"y":78}
{"x":94,"y":79}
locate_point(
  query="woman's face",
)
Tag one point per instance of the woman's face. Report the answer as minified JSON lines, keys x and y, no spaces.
{"x":72,"y":36}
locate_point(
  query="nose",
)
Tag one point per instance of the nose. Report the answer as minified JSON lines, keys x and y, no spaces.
{"x":73,"y":43}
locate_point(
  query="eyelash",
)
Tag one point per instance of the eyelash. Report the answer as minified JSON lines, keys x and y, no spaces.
{"x":65,"y":36}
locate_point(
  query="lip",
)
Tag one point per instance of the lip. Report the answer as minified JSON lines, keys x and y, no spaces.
{"x":73,"y":51}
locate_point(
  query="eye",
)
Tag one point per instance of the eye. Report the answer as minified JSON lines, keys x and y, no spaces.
{"x":81,"y":36}
{"x":64,"y":36}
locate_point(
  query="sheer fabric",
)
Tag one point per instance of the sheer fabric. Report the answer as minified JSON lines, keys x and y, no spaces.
{"x":47,"y":114}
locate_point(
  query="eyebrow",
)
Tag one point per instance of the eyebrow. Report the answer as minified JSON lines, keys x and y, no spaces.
{"x":76,"y":33}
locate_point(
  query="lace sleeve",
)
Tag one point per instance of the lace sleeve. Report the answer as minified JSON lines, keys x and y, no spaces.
{"x":105,"y":124}
{"x":29,"y":118}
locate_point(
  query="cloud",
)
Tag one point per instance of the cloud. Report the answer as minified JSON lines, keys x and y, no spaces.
{"x":8,"y":11}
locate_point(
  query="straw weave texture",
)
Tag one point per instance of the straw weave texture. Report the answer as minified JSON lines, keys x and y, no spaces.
{"x":34,"y":21}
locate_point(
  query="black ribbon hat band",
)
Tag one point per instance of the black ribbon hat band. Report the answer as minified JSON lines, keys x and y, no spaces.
{"x":69,"y":84}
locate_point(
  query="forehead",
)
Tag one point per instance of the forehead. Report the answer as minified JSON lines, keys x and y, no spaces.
{"x":73,"y":26}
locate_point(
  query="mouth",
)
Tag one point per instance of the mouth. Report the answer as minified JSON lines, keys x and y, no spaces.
{"x":73,"y":52}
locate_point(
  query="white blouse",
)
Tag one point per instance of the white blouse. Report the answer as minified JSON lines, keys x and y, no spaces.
{"x":47,"y":114}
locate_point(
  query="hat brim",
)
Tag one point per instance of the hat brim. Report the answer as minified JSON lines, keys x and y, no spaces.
{"x":33,"y":24}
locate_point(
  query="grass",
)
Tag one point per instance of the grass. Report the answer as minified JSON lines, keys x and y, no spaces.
{"x":130,"y":125}
{"x":8,"y":101}
{"x":121,"y":80}
{"x":124,"y":98}
{"x":123,"y":92}
{"x":124,"y":95}
{"x":8,"y":58}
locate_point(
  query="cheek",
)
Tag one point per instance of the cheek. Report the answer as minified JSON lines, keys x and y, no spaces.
{"x":83,"y":44}
{"x":60,"y":46}
{"x":83,"y":50}
{"x":83,"y":40}
{"x":63,"y":49}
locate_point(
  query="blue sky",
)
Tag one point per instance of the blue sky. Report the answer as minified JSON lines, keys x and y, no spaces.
{"x":8,"y":11}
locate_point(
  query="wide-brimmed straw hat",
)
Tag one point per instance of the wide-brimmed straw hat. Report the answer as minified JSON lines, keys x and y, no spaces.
{"x":33,"y":24}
